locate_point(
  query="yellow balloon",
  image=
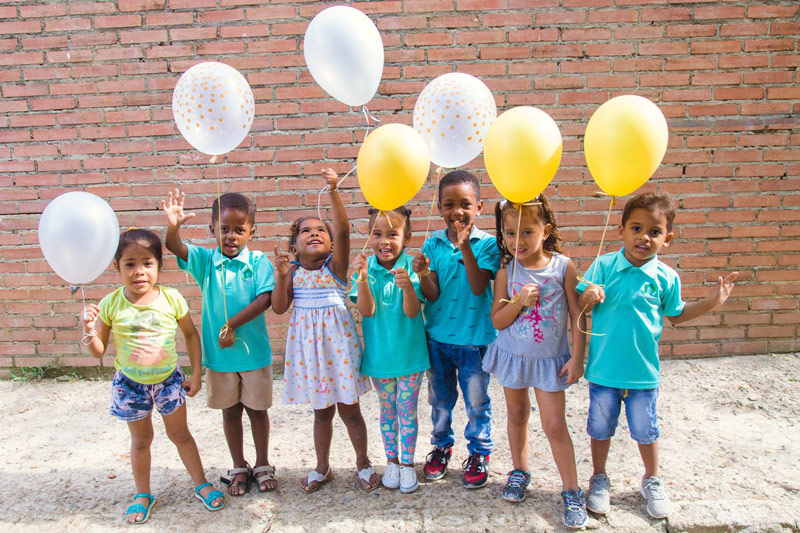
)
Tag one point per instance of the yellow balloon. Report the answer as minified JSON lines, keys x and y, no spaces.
{"x":392,"y":165}
{"x":522,"y":153}
{"x":624,"y":144}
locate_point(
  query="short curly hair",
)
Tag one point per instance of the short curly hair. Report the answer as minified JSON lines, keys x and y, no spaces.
{"x":653,"y":202}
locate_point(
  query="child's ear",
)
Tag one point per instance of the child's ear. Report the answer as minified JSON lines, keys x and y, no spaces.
{"x":115,"y":264}
{"x":293,"y":250}
{"x":480,"y":206}
{"x":546,"y":229}
{"x":211,"y":229}
{"x":667,"y":239}
{"x":252,"y":231}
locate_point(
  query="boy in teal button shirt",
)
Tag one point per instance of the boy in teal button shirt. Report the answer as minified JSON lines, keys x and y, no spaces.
{"x":629,"y":295}
{"x":236,"y":283}
{"x":455,"y":268}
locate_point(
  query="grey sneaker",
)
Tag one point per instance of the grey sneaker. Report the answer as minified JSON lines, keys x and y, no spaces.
{"x":516,"y":487}
{"x":598,"y":499}
{"x":658,"y":504}
{"x":575,"y":516}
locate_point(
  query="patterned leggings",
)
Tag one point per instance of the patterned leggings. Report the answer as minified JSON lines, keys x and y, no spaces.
{"x":398,"y":401}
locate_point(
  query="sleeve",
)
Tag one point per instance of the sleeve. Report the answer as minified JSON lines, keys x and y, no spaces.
{"x":263,"y":275}
{"x":196,"y":263}
{"x":595,"y":273}
{"x":488,"y":256}
{"x":414,"y":277}
{"x":671,"y":302}
{"x":427,"y":250}
{"x":107,"y":309}
{"x":177,"y":302}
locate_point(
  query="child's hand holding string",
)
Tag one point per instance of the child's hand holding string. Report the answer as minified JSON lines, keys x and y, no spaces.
{"x":193,"y":384}
{"x":592,"y":295}
{"x":89,"y":318}
{"x":360,"y":267}
{"x":227,"y":340}
{"x":282,"y":262}
{"x":331,"y":179}
{"x":421,"y":264}
{"x":527,"y":296}
{"x":173,"y":208}
{"x":402,"y":279}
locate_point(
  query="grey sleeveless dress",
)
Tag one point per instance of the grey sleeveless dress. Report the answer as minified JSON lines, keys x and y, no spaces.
{"x":532,"y":350}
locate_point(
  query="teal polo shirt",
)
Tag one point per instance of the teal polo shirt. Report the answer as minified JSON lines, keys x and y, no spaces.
{"x":458,"y":316}
{"x":394,"y":344}
{"x":247,"y":275}
{"x":632,"y":318}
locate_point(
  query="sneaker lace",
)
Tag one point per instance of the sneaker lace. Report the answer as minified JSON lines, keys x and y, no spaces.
{"x":572,"y":502}
{"x":655,"y":488}
{"x":516,"y":479}
{"x":473,"y":464}
{"x":437,"y":456}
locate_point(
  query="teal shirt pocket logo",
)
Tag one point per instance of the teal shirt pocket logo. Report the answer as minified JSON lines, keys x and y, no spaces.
{"x":650,"y":289}
{"x":247,"y":273}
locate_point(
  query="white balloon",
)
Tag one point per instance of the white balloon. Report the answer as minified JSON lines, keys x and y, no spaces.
{"x":453,"y":114}
{"x":78,"y":234}
{"x":213,"y":107}
{"x":344,"y":53}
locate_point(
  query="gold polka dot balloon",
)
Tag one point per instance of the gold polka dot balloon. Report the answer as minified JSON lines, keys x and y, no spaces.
{"x":453,"y":114}
{"x":213,"y":107}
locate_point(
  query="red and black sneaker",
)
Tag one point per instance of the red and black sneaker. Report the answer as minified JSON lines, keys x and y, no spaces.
{"x":436,"y":463}
{"x":476,"y":471}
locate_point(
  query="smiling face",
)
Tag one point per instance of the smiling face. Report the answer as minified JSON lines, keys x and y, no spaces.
{"x":388,"y":240}
{"x":138,"y":268}
{"x":644,"y":234}
{"x":459,"y":203}
{"x":313,"y":240}
{"x":527,"y":248}
{"x":233,"y":233}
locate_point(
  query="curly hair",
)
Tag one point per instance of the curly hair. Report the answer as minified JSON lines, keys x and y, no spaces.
{"x":543,"y":211}
{"x":655,"y":203}
{"x":294,"y":230}
{"x":237,"y":202}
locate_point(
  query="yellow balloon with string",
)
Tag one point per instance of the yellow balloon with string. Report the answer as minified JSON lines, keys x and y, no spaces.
{"x":393,"y":163}
{"x":522,"y":153}
{"x":625,"y":141}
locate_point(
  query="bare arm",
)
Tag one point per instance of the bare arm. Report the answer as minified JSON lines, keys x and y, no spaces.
{"x":709,"y":303}
{"x":193,"y":347}
{"x":282,"y":294}
{"x":253,"y":309}
{"x":504,"y":313}
{"x":173,"y":209}
{"x":577,"y":323}
{"x":428,"y":280}
{"x":592,"y":295}
{"x":92,"y":324}
{"x":364,"y":300}
{"x":411,"y":305}
{"x":341,"y":227}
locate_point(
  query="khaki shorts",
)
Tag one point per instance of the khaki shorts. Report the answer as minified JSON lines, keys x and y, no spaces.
{"x":252,"y":388}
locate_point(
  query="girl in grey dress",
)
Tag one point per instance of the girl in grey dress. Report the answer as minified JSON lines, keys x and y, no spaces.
{"x":534,"y":301}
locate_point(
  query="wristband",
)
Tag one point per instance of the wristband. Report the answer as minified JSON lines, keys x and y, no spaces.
{"x":425,"y":273}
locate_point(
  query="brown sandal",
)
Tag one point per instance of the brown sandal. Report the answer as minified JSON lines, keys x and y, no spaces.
{"x":262,"y":474}
{"x":228,"y":479}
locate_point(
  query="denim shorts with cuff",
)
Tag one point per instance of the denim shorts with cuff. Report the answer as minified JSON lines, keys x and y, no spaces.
{"x":132,"y":401}
{"x":640,"y":410}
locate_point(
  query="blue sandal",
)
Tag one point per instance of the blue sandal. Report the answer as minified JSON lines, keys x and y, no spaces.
{"x":135,"y":508}
{"x":213,"y":495}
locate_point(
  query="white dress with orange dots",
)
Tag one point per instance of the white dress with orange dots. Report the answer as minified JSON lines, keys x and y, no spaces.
{"x":323,"y":352}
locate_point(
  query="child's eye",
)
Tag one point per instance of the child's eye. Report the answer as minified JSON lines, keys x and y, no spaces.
{"x":655,"y":233}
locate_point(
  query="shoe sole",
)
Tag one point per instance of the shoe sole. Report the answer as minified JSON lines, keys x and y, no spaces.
{"x":512,"y":500}
{"x":405,"y":490}
{"x":434,"y":477}
{"x":657,"y":517}
{"x":574,"y":527}
{"x":597,"y":511}
{"x":385,"y":485}
{"x":470,"y":486}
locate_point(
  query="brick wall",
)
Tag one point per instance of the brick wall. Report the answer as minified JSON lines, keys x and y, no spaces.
{"x":87,"y":86}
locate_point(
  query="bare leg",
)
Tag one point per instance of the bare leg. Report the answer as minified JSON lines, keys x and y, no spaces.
{"x":554,"y":423}
{"x":232,"y":426}
{"x":259,"y":424}
{"x":141,"y":438}
{"x":649,"y":453}
{"x":600,"y":455}
{"x":357,"y":430}
{"x":518,"y":405}
{"x":323,"y":434}
{"x":178,"y":433}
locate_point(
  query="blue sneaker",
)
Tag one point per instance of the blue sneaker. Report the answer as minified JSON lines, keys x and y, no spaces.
{"x":575,"y":516}
{"x":516,"y":487}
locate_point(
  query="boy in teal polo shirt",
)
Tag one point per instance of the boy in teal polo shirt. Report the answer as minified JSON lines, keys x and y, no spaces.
{"x":236,"y":283}
{"x":630,"y":293}
{"x":455,"y":268}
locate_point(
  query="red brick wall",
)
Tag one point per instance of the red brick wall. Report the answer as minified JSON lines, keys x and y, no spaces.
{"x":87,"y":86}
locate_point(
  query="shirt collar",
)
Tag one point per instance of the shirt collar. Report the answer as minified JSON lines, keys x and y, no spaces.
{"x":243,"y":257}
{"x":377,"y":268}
{"x":475,"y":235}
{"x":650,"y":268}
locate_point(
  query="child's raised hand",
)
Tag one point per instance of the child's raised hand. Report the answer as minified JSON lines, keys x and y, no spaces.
{"x":173,"y":208}
{"x":402,"y":279}
{"x":462,"y":235}
{"x":723,"y":288}
{"x":573,"y":369}
{"x":331,"y":179}
{"x":360,"y":266}
{"x":192,"y":384}
{"x":282,"y":262}
{"x":420,"y":263}
{"x":89,"y":317}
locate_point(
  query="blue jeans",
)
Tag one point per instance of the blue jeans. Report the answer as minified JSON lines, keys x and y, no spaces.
{"x":640,"y":410}
{"x":451,"y":362}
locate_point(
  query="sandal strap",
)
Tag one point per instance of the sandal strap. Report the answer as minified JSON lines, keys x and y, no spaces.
{"x":233,"y":472}
{"x":144,"y":495}
{"x":135,"y":508}
{"x":366,"y":473}
{"x":264,"y":473}
{"x":316,"y":476}
{"x":198,"y":488}
{"x":213,"y":495}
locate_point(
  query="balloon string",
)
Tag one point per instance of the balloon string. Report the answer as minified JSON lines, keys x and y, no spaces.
{"x":599,"y":251}
{"x":367,"y":117}
{"x":226,"y":328}
{"x":518,"y":207}
{"x":89,"y":336}
{"x":439,"y":171}
{"x":325,"y":188}
{"x":358,"y":278}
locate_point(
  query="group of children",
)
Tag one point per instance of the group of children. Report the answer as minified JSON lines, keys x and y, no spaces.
{"x":520,"y":332}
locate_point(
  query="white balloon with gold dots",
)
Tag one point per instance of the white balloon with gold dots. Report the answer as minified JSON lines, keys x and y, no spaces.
{"x":213,"y":107}
{"x":453,"y":114}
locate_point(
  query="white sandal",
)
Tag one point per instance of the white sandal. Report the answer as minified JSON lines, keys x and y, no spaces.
{"x":365,"y":474}
{"x":320,"y":479}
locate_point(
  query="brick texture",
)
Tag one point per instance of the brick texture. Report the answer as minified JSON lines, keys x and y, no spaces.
{"x":86,"y":90}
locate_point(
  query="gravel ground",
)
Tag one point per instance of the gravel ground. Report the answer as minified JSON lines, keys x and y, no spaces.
{"x":729,"y":453}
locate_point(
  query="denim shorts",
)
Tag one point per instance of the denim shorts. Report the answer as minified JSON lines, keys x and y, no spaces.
{"x":132,"y":401}
{"x":640,"y":410}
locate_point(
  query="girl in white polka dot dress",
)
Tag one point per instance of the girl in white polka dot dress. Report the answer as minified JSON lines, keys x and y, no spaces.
{"x":323,"y":352}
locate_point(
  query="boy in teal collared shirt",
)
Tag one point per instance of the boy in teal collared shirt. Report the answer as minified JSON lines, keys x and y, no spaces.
{"x":236,"y":284}
{"x":630,"y":293}
{"x":455,"y":268}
